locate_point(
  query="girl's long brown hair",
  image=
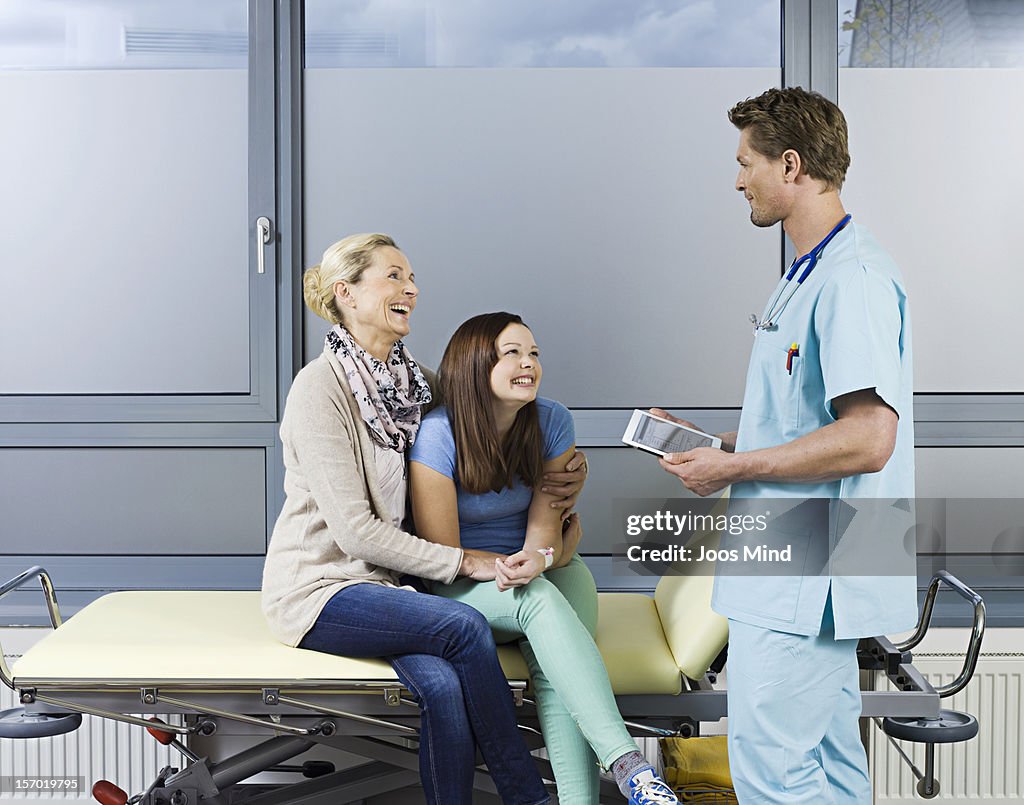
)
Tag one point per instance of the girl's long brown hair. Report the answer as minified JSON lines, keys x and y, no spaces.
{"x":482,"y":462}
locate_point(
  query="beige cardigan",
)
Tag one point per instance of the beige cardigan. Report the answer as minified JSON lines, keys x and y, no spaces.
{"x":334,"y":529}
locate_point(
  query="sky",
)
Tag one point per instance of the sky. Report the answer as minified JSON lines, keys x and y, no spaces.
{"x":407,"y":33}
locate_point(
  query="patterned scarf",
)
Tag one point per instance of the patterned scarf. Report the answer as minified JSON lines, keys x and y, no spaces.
{"x":389,"y":394}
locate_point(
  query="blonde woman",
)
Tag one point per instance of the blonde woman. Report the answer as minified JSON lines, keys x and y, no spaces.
{"x":333,"y":579}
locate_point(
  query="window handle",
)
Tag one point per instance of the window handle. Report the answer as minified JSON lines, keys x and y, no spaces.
{"x":262,"y":239}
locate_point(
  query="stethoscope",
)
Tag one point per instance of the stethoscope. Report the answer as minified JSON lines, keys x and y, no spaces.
{"x":778,"y":301}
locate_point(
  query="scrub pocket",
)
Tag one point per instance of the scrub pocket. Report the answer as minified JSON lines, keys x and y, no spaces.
{"x":781,"y":390}
{"x":769,"y":598}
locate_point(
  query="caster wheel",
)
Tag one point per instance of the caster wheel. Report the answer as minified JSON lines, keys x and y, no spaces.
{"x":921,"y":791}
{"x":16,"y":723}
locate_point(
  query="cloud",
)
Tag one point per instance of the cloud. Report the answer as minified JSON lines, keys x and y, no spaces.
{"x":566,"y":33}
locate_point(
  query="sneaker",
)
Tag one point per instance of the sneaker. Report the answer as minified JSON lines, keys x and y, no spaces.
{"x":647,"y":788}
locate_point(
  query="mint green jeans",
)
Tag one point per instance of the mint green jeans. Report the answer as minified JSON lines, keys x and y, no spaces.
{"x":554,"y":619}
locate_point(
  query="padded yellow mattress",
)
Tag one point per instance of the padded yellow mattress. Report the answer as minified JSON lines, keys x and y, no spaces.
{"x":204,"y":637}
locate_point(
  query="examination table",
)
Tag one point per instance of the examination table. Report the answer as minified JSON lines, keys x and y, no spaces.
{"x":209,"y":657}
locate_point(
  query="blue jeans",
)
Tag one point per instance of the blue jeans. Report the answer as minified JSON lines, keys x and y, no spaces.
{"x":444,"y":654}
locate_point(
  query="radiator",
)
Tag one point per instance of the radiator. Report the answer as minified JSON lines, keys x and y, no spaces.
{"x":987,"y":768}
{"x":100,"y":749}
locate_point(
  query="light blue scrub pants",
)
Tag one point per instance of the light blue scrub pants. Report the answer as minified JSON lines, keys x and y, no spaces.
{"x":794,"y":709}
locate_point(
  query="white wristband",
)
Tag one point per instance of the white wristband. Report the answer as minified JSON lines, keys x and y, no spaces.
{"x":549,"y":556}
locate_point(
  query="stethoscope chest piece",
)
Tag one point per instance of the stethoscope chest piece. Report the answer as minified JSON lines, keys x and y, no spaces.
{"x":787,"y":287}
{"x":764,"y":326}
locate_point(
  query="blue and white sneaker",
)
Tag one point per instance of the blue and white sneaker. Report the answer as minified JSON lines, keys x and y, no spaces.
{"x":647,"y":788}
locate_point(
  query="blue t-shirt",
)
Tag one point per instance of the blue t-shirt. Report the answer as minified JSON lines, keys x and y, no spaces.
{"x":492,"y":521}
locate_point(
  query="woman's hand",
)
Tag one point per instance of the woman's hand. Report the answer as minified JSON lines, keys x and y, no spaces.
{"x":480,"y":565}
{"x":566,"y":486}
{"x":572,"y":533}
{"x":519,"y":569}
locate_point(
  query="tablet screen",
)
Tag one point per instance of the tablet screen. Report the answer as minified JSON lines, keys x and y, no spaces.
{"x":667,"y":437}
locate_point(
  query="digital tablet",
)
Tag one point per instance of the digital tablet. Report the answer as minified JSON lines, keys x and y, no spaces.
{"x":661,"y":437}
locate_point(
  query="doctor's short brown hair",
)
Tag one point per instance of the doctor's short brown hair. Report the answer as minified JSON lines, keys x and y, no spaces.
{"x":806,"y":122}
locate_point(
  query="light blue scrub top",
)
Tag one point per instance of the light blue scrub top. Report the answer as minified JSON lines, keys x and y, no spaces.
{"x":852,"y":324}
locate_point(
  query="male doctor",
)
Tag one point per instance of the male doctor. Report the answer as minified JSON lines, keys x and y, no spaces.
{"x":827,"y":413}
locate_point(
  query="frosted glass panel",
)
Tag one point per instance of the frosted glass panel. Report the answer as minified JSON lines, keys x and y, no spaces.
{"x":936,"y":175}
{"x":599,"y":204}
{"x":124,"y":264}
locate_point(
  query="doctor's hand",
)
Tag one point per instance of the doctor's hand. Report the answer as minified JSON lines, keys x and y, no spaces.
{"x":663,"y":414}
{"x":704,"y":470}
{"x":518,"y":570}
{"x":566,"y":486}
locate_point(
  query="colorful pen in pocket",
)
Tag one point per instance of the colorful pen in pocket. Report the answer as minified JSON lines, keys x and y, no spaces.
{"x":794,"y":352}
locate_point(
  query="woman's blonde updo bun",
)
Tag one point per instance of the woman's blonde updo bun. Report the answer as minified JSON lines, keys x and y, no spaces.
{"x":344,"y":261}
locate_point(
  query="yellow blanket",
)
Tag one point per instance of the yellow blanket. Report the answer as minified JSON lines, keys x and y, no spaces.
{"x":698,"y":769}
